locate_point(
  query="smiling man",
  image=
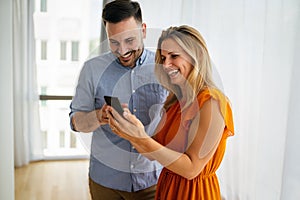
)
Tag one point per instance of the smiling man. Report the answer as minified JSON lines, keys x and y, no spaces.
{"x":117,"y":170}
{"x":126,"y":40}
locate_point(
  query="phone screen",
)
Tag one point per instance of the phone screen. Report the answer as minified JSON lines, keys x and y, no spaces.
{"x":115,"y":103}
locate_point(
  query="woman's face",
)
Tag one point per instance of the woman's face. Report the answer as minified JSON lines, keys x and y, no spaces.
{"x":176,"y":62}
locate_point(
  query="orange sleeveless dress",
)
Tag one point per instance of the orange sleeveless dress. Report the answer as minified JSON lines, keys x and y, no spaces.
{"x":205,"y":186}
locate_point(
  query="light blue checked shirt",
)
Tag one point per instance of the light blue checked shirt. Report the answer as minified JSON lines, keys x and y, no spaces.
{"x":114,"y":162}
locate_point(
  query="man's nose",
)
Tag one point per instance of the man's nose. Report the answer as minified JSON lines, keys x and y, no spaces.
{"x":122,"y":50}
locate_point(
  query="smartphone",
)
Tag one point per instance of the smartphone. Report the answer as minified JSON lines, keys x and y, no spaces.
{"x":115,"y":103}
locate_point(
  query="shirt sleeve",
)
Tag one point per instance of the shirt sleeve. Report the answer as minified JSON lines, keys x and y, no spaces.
{"x":83,"y":99}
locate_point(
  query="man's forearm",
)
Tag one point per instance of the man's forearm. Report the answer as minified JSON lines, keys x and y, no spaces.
{"x":85,"y":121}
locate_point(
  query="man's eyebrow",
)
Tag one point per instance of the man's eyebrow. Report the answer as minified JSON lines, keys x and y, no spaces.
{"x":130,"y":38}
{"x":112,"y":40}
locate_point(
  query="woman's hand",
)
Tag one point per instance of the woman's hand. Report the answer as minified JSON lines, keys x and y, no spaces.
{"x":126,"y":126}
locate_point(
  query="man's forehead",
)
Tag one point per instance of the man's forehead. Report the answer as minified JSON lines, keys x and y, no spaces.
{"x":126,"y":26}
{"x":124,"y":35}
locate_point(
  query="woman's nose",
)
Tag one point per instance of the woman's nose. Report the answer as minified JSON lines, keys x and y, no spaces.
{"x":167,"y":63}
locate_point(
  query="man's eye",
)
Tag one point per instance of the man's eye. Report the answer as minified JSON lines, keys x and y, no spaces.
{"x":114,"y":43}
{"x":129,"y":40}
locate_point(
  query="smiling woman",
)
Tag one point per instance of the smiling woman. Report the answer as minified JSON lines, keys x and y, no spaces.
{"x":190,"y":141}
{"x":176,"y":62}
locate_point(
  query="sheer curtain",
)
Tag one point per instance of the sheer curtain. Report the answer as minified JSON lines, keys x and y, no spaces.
{"x":27,"y":142}
{"x":253,"y":44}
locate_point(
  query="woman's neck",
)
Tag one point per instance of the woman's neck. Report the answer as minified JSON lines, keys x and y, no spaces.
{"x":183,"y":94}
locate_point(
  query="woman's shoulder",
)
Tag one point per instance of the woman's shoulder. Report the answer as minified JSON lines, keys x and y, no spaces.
{"x":223,"y":102}
{"x":208,"y":93}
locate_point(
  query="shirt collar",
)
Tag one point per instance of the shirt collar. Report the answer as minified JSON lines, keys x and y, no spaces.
{"x":142,"y":58}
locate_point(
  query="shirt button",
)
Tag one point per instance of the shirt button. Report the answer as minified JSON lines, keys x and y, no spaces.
{"x":134,"y":110}
{"x":133,"y":91}
{"x":131,"y":166}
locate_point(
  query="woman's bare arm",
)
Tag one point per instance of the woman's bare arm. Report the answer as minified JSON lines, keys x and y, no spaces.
{"x":205,"y":134}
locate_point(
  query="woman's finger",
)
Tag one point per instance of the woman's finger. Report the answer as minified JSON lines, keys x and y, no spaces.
{"x":126,"y":110}
{"x":116,"y":115}
{"x":131,"y":118}
{"x":124,"y":105}
{"x":128,"y":124}
{"x":128,"y":116}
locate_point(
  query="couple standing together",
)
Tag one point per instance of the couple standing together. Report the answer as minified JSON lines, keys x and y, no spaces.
{"x":171,"y":137}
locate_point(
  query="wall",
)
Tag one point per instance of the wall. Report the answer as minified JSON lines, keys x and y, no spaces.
{"x":6,"y":103}
{"x":291,"y":174}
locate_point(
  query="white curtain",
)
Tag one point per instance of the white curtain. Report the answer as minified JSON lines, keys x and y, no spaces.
{"x":254,"y":45}
{"x":27,"y":142}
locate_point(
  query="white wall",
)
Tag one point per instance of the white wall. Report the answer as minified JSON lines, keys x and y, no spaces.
{"x":291,"y":175}
{"x":6,"y":103}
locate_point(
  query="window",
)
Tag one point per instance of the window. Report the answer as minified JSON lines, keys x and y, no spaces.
{"x":43,"y":92}
{"x":62,"y":139}
{"x":43,"y":50}
{"x":63,"y":50}
{"x":44,"y":136}
{"x":61,"y":35}
{"x":73,"y":140}
{"x":43,"y":5}
{"x":75,"y":50}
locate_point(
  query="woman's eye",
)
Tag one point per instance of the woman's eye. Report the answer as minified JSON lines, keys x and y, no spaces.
{"x":174,"y":56}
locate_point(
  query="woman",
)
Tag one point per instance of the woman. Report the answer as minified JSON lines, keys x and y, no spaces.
{"x":191,"y":138}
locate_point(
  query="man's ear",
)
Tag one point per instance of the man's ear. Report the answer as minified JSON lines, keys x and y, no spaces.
{"x":144,"y":26}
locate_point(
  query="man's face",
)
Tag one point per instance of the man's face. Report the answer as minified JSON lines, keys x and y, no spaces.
{"x":126,"y":40}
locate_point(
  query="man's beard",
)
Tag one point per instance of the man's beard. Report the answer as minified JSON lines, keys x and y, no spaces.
{"x":129,"y":61}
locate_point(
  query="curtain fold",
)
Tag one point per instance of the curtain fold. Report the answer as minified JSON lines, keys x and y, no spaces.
{"x":27,"y":142}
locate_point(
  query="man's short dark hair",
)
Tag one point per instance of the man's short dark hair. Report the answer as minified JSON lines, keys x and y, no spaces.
{"x":119,"y":10}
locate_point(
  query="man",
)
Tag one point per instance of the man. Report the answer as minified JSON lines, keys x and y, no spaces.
{"x":117,"y":170}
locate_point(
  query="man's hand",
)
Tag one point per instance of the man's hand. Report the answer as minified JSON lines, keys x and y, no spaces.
{"x":102,"y":115}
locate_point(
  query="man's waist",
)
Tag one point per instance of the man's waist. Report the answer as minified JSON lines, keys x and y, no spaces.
{"x":122,"y":180}
{"x":134,"y":164}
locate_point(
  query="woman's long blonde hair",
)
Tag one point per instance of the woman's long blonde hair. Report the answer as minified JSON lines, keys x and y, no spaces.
{"x":191,"y":41}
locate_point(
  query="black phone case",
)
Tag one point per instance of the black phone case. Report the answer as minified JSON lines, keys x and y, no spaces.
{"x":115,"y":103}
